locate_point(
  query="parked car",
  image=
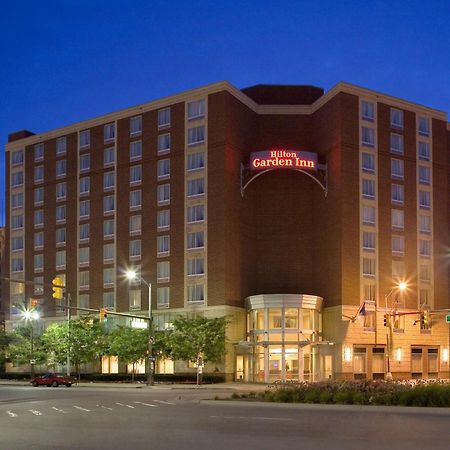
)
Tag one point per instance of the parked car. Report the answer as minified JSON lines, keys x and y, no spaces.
{"x":52,"y":379}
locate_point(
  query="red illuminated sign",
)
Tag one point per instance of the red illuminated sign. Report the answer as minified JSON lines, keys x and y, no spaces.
{"x":283,"y":159}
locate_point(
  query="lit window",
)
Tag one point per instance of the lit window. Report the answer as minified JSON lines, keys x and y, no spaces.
{"x":195,"y":266}
{"x":61,"y":191}
{"x":424,"y":247}
{"x":368,"y":240}
{"x":38,"y":152}
{"x":39,"y":218}
{"x":135,"y":150}
{"x":134,"y":299}
{"x":397,"y":193}
{"x":195,"y":240}
{"x":398,"y":219}
{"x":397,"y":168}
{"x":109,"y":132}
{"x":17,"y":264}
{"x":135,"y":248}
{"x":84,"y":208}
{"x":425,"y":272}
{"x":60,"y":236}
{"x":38,"y":195}
{"x":85,"y":138}
{"x":38,"y":174}
{"x":135,"y":199}
{"x":38,"y":241}
{"x":85,"y":185}
{"x":424,"y":200}
{"x":368,"y":162}
{"x":108,"y":300}
{"x":61,"y":213}
{"x":368,"y":188}
{"x":135,"y":224}
{"x":164,"y":117}
{"x":367,"y":111}
{"x":163,"y":193}
{"x":424,"y":151}
{"x":424,"y":175}
{"x":398,"y":270}
{"x":109,"y":156}
{"x":60,"y":259}
{"x":17,"y":157}
{"x":196,"y":135}
{"x":196,"y":293}
{"x":17,"y":242}
{"x":85,"y":162}
{"x":196,"y":187}
{"x":38,"y":263}
{"x":163,"y":245}
{"x":163,"y":168}
{"x":108,"y":204}
{"x":61,"y":145}
{"x":84,"y":232}
{"x":396,"y":118}
{"x":17,"y":200}
{"x":425,"y":224}
{"x":163,"y":219}
{"x":196,"y":109}
{"x":163,"y":271}
{"x":196,"y":213}
{"x":83,"y":256}
{"x":61,"y":168}
{"x":424,"y":126}
{"x":17,"y":221}
{"x":135,"y":174}
{"x":108,"y":228}
{"x":164,"y":143}
{"x":368,"y":136}
{"x":108,"y":252}
{"x":397,"y":145}
{"x":17,"y":179}
{"x":398,"y":245}
{"x":108,"y":277}
{"x":38,"y":285}
{"x":135,"y":125}
{"x":109,"y":180}
{"x":196,"y":161}
{"x":163,"y":297}
{"x":368,"y":215}
{"x":369,"y":267}
{"x":83,"y":279}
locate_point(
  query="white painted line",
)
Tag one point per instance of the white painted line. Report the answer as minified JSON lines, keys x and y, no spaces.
{"x":105,"y":407}
{"x":59,"y":410}
{"x":82,"y":409}
{"x":250,"y":418}
{"x":11,"y":414}
{"x":146,"y":404}
{"x":163,"y":402}
{"x":35,"y":412}
{"x":128,"y":406}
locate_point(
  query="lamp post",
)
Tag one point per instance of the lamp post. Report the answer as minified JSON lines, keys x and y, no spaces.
{"x":132,"y":275}
{"x":401,"y":287}
{"x":29,"y":316}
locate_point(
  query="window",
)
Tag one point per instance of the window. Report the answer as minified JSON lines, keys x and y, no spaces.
{"x":196,"y":213}
{"x":17,"y":157}
{"x":398,"y":245}
{"x":397,"y":219}
{"x":164,"y":143}
{"x":60,"y":236}
{"x":83,"y":301}
{"x":424,"y":126}
{"x":424,"y":296}
{"x":17,"y":179}
{"x":135,"y":199}
{"x":17,"y":221}
{"x":163,"y":219}
{"x":135,"y":224}
{"x":38,"y":263}
{"x":424,"y":247}
{"x":397,"y":145}
{"x":135,"y":174}
{"x":195,"y":240}
{"x":84,"y":232}
{"x":368,"y":215}
{"x":135,"y":248}
{"x":135,"y":150}
{"x":17,"y":264}
{"x":109,"y":180}
{"x":425,"y":224}
{"x":195,"y":266}
{"x":85,"y":185}
{"x":424,"y":200}
{"x":398,"y":324}
{"x":196,"y":109}
{"x":108,"y":252}
{"x":196,"y":187}
{"x":424,"y":175}
{"x":61,"y":191}
{"x":39,"y":218}
{"x":83,"y":256}
{"x":61,"y":168}
{"x":108,"y":277}
{"x":425,"y":272}
{"x":108,"y":228}
{"x":38,"y":152}
{"x":396,"y":118}
{"x":397,"y":168}
{"x":368,"y":188}
{"x":368,"y":136}
{"x":397,"y":193}
{"x":38,"y":195}
{"x":85,"y":138}
{"x":61,"y":213}
{"x":17,"y":242}
{"x":17,"y":200}
{"x":85,"y":162}
{"x":196,"y":161}
{"x":38,"y":174}
{"x":109,"y":132}
{"x":38,"y":285}
{"x":398,"y":270}
{"x":163,"y":193}
{"x":424,"y":151}
{"x":135,"y":125}
{"x":164,"y":117}
{"x":84,"y":208}
{"x":60,"y":259}
{"x":109,"y":156}
{"x":196,"y":293}
{"x":163,"y":297}
{"x":38,"y":241}
{"x":108,"y":204}
{"x":163,"y":245}
{"x":108,"y":300}
{"x":196,"y":135}
{"x":368,"y":240}
{"x":61,"y":145}
{"x":163,"y":169}
{"x":367,"y":111}
{"x":134,"y":299}
{"x":163,"y":271}
{"x":368,"y":162}
{"x":83,"y":278}
{"x":369,"y":267}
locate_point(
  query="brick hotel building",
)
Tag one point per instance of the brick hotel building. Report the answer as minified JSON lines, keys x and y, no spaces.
{"x":293,"y":212}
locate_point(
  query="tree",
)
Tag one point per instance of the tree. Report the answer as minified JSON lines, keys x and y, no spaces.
{"x":5,"y":341}
{"x":129,"y":345}
{"x":198,"y":339}
{"x":19,"y":347}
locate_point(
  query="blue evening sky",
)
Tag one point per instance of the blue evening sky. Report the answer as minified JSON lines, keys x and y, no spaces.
{"x":64,"y":61}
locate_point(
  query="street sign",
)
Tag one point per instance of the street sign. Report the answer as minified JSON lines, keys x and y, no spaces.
{"x":447,"y":318}
{"x":32,"y":361}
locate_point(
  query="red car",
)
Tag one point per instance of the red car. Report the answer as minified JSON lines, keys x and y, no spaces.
{"x":52,"y":379}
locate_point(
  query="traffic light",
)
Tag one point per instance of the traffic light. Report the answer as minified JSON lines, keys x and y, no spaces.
{"x":385,"y":319}
{"x":58,"y":288}
{"x":34,"y":302}
{"x":425,"y":320}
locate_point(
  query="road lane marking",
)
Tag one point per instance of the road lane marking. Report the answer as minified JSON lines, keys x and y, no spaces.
{"x":163,"y":402}
{"x":11,"y":414}
{"x":146,"y":404}
{"x":35,"y":412}
{"x":250,"y":418}
{"x":82,"y":409}
{"x":128,"y":406}
{"x":59,"y":410}
{"x":105,"y":407}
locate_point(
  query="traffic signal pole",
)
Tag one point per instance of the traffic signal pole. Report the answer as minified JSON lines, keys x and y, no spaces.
{"x":69,"y":316}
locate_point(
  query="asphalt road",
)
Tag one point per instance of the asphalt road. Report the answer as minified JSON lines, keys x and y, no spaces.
{"x":172,"y":419}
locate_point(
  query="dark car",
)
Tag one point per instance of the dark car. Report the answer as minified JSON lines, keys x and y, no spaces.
{"x":52,"y":379}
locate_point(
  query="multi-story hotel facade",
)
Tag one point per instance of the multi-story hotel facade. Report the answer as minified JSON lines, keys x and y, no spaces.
{"x":293,"y":212}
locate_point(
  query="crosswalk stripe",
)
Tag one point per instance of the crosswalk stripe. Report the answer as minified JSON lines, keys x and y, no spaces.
{"x":82,"y":409}
{"x":128,"y":406}
{"x":146,"y":404}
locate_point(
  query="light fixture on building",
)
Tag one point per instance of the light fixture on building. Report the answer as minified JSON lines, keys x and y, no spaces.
{"x":398,"y":354}
{"x":347,"y":354}
{"x":445,"y":355}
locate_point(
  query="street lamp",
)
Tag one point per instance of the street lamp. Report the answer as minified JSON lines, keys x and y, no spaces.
{"x":133,"y":275}
{"x":400,"y":287}
{"x":30,"y":315}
